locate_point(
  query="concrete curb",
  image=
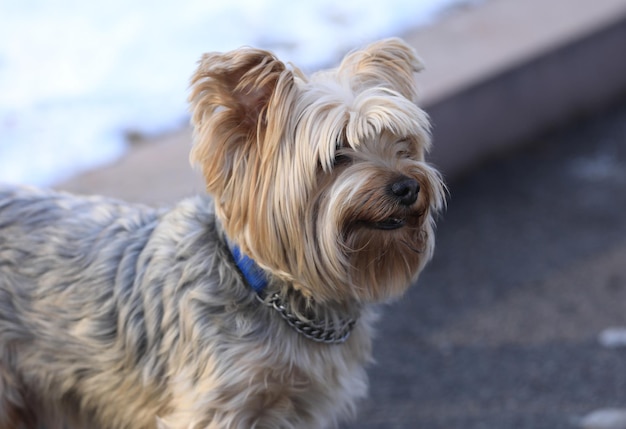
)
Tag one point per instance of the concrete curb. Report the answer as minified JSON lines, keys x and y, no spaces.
{"x":525,"y":88}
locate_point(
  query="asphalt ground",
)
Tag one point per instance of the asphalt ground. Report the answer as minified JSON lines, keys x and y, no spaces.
{"x":501,"y":331}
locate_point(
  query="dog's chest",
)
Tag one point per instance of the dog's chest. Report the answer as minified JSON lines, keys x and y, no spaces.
{"x":296,"y":385}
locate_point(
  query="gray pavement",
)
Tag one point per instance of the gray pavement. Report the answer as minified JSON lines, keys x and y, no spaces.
{"x":501,"y":331}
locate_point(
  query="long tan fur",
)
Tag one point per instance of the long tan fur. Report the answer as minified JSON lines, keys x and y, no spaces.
{"x":114,"y":316}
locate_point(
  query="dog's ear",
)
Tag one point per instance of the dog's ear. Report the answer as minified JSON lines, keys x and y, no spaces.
{"x":233,"y":98}
{"x":389,"y":62}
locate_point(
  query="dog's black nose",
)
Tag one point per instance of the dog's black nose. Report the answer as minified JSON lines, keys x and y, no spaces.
{"x":406,"y":190}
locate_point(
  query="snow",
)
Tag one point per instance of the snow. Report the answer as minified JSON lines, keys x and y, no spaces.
{"x":606,"y":418}
{"x":612,"y":338}
{"x":78,"y":77}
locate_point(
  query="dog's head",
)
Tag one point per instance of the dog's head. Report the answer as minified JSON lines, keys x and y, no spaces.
{"x":321,"y":180}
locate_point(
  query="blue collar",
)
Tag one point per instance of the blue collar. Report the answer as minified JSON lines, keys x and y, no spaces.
{"x":253,"y":274}
{"x":319,"y":331}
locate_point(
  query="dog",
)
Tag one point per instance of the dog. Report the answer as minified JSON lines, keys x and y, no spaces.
{"x":252,"y":306}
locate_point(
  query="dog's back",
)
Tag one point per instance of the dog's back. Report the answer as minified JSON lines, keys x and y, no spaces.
{"x":65,"y":263}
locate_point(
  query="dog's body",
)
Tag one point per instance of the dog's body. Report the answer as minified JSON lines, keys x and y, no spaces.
{"x":129,"y":313}
{"x":115,"y":316}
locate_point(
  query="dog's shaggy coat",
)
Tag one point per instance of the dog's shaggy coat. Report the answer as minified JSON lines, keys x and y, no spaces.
{"x":118,"y":316}
{"x":130,"y":318}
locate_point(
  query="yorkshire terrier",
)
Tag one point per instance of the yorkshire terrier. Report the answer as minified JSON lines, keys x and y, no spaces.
{"x":249,"y":308}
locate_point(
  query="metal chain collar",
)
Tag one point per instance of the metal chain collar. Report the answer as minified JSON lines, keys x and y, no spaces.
{"x":321,"y":332}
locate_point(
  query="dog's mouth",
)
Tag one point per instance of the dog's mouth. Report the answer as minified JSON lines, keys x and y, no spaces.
{"x":389,"y":224}
{"x":396,"y":221}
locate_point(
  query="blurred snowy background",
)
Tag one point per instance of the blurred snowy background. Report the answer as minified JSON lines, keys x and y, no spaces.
{"x":77,"y":78}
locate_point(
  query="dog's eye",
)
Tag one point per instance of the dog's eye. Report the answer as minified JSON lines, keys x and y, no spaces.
{"x":404,"y":149}
{"x":341,"y":159}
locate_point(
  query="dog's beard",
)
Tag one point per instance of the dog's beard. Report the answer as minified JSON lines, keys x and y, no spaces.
{"x":384,"y":263}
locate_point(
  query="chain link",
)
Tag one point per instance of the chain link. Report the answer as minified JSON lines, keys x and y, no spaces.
{"x":321,"y":332}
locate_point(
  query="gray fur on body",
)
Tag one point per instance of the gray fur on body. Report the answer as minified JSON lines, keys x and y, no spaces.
{"x":115,"y":316}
